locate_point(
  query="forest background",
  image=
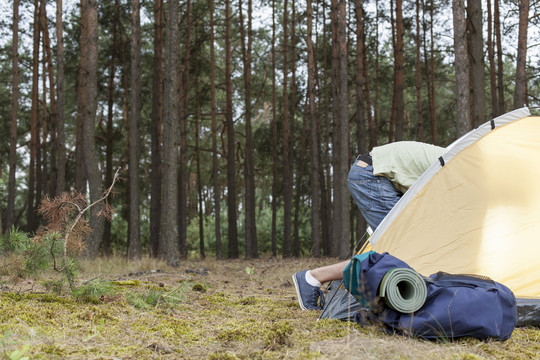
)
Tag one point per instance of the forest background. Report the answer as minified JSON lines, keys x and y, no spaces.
{"x":234,"y":123}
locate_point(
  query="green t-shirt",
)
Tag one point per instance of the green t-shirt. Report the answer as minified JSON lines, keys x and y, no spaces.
{"x":403,"y":162}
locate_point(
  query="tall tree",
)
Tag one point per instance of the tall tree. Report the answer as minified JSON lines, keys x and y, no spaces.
{"x":168,"y":234}
{"x":491,"y":59}
{"x":341,"y":131}
{"x":398,"y":72}
{"x":10,"y":211}
{"x":418,"y":77}
{"x":80,"y":168}
{"x":90,"y":152}
{"x":134,"y":233}
{"x":274,"y":135}
{"x":461,"y":68}
{"x":476,"y":60}
{"x":31,"y":222}
{"x":314,"y":140}
{"x":182,"y":158}
{"x":249,"y":171}
{"x":215,"y":172}
{"x":108,"y":133}
{"x":48,"y":71}
{"x":520,"y":93}
{"x":287,"y":166}
{"x":500,"y":69}
{"x":429,"y":65}
{"x":360,"y":105}
{"x":156,"y":128}
{"x":60,"y":136}
{"x":231,"y":142}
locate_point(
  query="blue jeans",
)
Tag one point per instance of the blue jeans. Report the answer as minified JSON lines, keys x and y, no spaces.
{"x":374,"y":195}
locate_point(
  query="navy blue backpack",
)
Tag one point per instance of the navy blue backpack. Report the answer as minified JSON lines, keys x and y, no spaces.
{"x":456,"y":305}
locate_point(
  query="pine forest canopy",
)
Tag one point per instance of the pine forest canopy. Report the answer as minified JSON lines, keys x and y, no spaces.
{"x":234,"y":123}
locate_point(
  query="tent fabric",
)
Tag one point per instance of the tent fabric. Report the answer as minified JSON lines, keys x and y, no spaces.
{"x":480,"y":212}
{"x":477,"y":211}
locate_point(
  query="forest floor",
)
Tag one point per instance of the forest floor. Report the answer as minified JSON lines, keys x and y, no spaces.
{"x":207,"y":309}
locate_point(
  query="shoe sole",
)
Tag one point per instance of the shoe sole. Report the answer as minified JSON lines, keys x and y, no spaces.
{"x":298,"y":293}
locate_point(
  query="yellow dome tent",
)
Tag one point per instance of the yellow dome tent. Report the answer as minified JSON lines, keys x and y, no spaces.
{"x":477,"y":211}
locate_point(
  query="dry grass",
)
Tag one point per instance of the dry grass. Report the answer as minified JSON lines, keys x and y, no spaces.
{"x":227,"y":310}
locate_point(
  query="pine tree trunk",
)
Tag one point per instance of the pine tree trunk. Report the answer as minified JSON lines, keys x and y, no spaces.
{"x":48,"y":60}
{"x":476,"y":60}
{"x":287,"y":173}
{"x":60,"y":137}
{"x":249,"y":172}
{"x":168,"y":234}
{"x":34,"y":127}
{"x":10,"y":210}
{"x":215,"y":172}
{"x":183,"y":115}
{"x":520,"y":94}
{"x":134,"y":249}
{"x":90,"y":152}
{"x":274,"y":135}
{"x":500,"y":69}
{"x":360,"y":105}
{"x":418,"y":77}
{"x":341,"y":132}
{"x":314,"y":139}
{"x":80,"y":167}
{"x":491,"y":59}
{"x":156,"y":129}
{"x":231,"y":168}
{"x":398,"y":68}
{"x":461,"y":68}
{"x":292,"y":140}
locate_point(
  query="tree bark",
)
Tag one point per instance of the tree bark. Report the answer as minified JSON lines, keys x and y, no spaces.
{"x":418,"y":77}
{"x":168,"y":234}
{"x":134,"y":249}
{"x":252,"y":250}
{"x":476,"y":60}
{"x":341,"y":132}
{"x":360,"y":97}
{"x":156,"y":129}
{"x":287,"y":172}
{"x":274,"y":135}
{"x":90,"y":152}
{"x":461,"y":68}
{"x":215,"y":172}
{"x":109,"y":130}
{"x":398,"y":75}
{"x":50,"y":185}
{"x":491,"y":59}
{"x":12,"y":187}
{"x":231,"y":168}
{"x":182,"y":159}
{"x":500,"y":70}
{"x":60,"y":134}
{"x":314,"y":139}
{"x":34,"y":127}
{"x":520,"y":93}
{"x":80,"y":167}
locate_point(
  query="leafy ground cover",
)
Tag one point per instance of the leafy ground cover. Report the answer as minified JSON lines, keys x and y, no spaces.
{"x":203,"y":310}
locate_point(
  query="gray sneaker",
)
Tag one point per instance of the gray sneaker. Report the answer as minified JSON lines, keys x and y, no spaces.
{"x":309,"y":297}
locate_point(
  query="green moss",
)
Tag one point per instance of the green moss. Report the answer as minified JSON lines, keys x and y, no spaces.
{"x":126,"y":283}
{"x":46,"y":298}
{"x":223,"y":356}
{"x":279,"y":334}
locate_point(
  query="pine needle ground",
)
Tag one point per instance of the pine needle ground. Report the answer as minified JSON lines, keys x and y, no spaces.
{"x":208,"y":309}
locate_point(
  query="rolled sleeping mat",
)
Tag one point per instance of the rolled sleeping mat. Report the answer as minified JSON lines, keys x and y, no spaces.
{"x":403,"y":290}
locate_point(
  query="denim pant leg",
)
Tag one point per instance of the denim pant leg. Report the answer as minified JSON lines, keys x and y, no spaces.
{"x":374,"y":195}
